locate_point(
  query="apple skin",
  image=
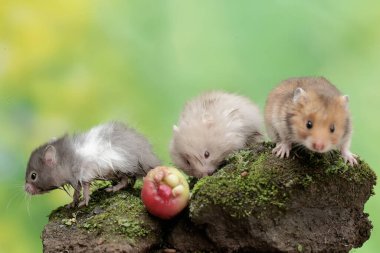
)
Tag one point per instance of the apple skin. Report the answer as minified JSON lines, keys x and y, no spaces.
{"x":165,"y":192}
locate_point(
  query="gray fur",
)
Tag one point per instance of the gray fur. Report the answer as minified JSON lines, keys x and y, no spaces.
{"x":108,"y":151}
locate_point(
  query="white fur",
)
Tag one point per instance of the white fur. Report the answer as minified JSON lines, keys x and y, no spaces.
{"x":222,"y":112}
{"x":99,"y":156}
{"x":217,"y":122}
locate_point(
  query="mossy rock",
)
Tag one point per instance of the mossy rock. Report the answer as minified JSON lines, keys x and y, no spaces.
{"x":113,"y":222}
{"x":258,"y":202}
{"x":255,"y":203}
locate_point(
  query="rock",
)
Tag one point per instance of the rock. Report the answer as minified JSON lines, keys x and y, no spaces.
{"x":255,"y":203}
{"x":310,"y":202}
{"x":113,"y":222}
{"x":184,"y":236}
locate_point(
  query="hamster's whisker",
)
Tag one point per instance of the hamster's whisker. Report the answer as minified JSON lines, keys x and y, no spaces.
{"x":331,"y":154}
{"x":14,"y":196}
{"x":65,"y":189}
{"x":27,"y":199}
{"x":298,"y":147}
{"x":19,"y":186}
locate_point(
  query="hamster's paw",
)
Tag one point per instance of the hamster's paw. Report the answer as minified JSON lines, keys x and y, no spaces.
{"x":122,"y":184}
{"x":282,"y":149}
{"x":71,"y":205}
{"x":83,"y":203}
{"x":349,"y":157}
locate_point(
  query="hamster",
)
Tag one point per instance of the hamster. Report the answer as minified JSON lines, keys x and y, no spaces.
{"x":111,"y":151}
{"x":211,"y":126}
{"x":312,"y":112}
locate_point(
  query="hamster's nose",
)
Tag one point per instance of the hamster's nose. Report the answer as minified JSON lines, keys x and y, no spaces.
{"x":210,"y":171}
{"x":319,"y":146}
{"x":29,"y":188}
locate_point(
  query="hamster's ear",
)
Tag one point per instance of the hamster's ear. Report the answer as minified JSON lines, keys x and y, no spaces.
{"x":299,"y":95}
{"x":50,"y":156}
{"x":53,"y":139}
{"x":344,"y":101}
{"x":207,"y":119}
{"x":175,"y":129}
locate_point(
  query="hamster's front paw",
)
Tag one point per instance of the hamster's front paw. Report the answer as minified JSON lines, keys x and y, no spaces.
{"x":282,"y":149}
{"x":349,"y":157}
{"x":83,"y":203}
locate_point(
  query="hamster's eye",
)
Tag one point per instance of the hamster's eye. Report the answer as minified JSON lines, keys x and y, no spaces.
{"x":332,"y":128}
{"x":188,"y":163}
{"x":207,"y":154}
{"x":33,"y":176}
{"x":309,"y":124}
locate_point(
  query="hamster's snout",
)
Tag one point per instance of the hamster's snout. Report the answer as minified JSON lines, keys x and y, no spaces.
{"x":29,"y":188}
{"x":210,"y":171}
{"x":318,"y":146}
{"x":204,"y":172}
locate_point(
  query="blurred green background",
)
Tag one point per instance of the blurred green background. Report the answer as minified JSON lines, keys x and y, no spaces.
{"x":68,"y":65}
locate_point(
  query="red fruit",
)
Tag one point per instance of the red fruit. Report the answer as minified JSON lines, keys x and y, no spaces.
{"x":165,"y":192}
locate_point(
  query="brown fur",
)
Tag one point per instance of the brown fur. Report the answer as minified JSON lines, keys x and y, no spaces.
{"x":287,"y":113}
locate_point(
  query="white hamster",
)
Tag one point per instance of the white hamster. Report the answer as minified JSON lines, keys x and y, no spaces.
{"x":212,"y":126}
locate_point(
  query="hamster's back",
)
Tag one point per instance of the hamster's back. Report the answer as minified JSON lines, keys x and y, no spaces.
{"x":284,"y":92}
{"x":114,"y":145}
{"x":233,"y":112}
{"x":128,"y":139}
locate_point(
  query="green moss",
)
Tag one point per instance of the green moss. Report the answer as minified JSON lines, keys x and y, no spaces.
{"x":255,"y":180}
{"x":242,"y":184}
{"x":109,"y":214}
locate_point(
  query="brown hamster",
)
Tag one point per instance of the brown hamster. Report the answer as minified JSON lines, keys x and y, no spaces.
{"x":212,"y":126}
{"x":108,"y":151}
{"x":312,"y":112}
